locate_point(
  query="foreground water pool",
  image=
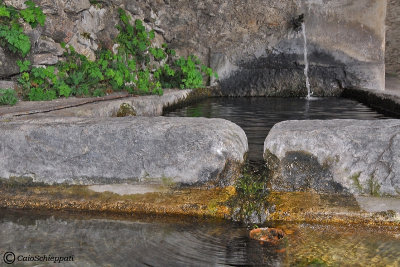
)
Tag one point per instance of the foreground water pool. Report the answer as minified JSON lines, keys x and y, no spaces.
{"x":257,"y":115}
{"x":110,"y":241}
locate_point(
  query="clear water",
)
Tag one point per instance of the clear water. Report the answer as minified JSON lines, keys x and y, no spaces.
{"x":257,"y":115}
{"x":166,"y":242}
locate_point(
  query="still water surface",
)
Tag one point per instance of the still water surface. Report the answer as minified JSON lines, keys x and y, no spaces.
{"x":97,"y":241}
{"x":257,"y":115}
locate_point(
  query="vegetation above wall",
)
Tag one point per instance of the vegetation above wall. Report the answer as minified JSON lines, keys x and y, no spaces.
{"x":136,"y":65}
{"x":12,"y":34}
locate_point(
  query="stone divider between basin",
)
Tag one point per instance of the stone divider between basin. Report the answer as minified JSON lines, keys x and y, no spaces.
{"x":361,"y":157}
{"x":116,"y":150}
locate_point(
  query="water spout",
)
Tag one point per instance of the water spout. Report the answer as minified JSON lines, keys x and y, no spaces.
{"x":306,"y":67}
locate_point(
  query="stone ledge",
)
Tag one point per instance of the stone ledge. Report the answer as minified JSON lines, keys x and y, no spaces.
{"x":335,"y":156}
{"x":117,"y":150}
{"x":385,"y":101}
{"x":108,"y":106}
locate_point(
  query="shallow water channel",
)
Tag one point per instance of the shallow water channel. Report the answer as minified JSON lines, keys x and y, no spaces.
{"x":257,"y":115}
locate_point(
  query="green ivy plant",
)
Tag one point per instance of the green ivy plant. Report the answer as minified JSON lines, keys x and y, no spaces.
{"x":138,"y":67}
{"x":12,"y":35}
{"x":184,"y":73}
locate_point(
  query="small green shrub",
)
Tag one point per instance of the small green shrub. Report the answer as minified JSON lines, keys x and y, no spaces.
{"x":12,"y":35}
{"x":184,"y":73}
{"x":8,"y":97}
{"x":39,"y":83}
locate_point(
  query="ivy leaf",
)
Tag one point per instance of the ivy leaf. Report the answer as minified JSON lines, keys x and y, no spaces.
{"x":64,"y":89}
{"x":119,"y":78}
{"x":132,"y":64}
{"x":152,"y":35}
{"x":4,"y":12}
{"x":110,"y":73}
{"x":33,"y":15}
{"x":23,"y":66}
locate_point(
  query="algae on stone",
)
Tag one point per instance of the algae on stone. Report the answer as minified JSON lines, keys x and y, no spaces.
{"x":126,"y":110}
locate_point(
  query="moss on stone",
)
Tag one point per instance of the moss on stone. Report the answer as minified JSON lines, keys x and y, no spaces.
{"x":374,"y":187}
{"x":126,"y":110}
{"x":198,"y":202}
{"x":249,"y":204}
{"x":356,"y":182}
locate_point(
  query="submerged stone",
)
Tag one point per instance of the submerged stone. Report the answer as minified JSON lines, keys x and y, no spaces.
{"x":271,"y":236}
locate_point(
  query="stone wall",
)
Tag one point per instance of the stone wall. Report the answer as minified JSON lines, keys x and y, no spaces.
{"x":252,"y":44}
{"x":393,"y":37}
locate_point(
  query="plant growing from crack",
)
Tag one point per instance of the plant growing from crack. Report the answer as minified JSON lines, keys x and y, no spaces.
{"x":138,"y":67}
{"x":12,"y":35}
{"x":249,"y":203}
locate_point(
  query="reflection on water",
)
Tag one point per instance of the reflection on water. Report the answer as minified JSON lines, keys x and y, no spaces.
{"x":104,"y":242}
{"x":160,"y":242}
{"x":257,"y":115}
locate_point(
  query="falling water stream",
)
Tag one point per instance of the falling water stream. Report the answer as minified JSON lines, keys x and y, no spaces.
{"x":306,"y":67}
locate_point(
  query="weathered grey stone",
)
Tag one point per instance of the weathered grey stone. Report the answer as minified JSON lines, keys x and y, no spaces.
{"x":392,"y":51}
{"x":93,"y":20}
{"x":44,"y":59}
{"x":76,"y":6}
{"x":8,"y":66}
{"x":47,"y":45}
{"x":50,"y":6}
{"x":7,"y":85}
{"x":148,"y":106}
{"x":342,"y":58}
{"x":117,"y":150}
{"x":84,"y":45}
{"x":108,"y":106}
{"x":355,"y":156}
{"x":59,"y":27}
{"x":19,"y":4}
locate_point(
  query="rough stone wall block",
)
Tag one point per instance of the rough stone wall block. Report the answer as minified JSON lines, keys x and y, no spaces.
{"x":340,"y":156}
{"x":118,"y":150}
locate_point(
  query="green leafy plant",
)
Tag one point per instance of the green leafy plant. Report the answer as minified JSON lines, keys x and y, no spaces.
{"x":39,"y":83}
{"x":8,"y":97}
{"x":12,"y":35}
{"x":184,"y":73}
{"x":137,"y":67}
